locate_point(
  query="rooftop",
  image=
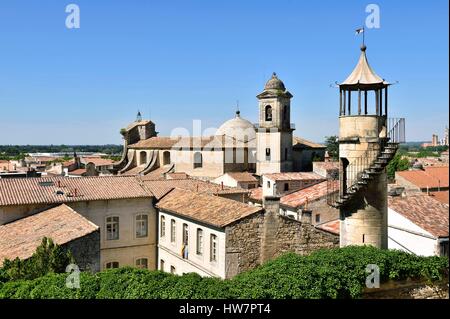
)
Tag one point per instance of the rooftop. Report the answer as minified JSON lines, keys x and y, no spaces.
{"x":243,"y":177}
{"x":62,"y":224}
{"x":97,"y":161}
{"x":54,"y":190}
{"x":213,"y":210}
{"x":441,"y":196}
{"x":432,"y":177}
{"x":293,"y":176}
{"x":331,"y":226}
{"x":424,"y":211}
{"x":161,"y":187}
{"x":298,"y":198}
{"x":302,"y":143}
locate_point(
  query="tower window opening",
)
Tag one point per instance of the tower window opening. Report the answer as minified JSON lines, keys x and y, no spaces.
{"x":268,"y":112}
{"x":267,"y":154}
{"x":198,"y":160}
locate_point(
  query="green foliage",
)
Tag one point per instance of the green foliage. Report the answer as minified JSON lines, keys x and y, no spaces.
{"x":327,"y":273}
{"x":332,"y":145}
{"x":398,"y":163}
{"x":48,"y":258}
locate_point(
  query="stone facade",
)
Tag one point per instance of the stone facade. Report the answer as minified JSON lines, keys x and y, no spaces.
{"x":409,"y":289}
{"x":86,"y":251}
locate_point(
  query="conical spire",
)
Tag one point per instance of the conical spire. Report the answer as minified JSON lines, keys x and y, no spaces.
{"x":363,"y":74}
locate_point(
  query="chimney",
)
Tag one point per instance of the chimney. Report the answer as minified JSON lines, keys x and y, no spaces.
{"x":59,"y":183}
{"x":221,"y":184}
{"x":75,"y":193}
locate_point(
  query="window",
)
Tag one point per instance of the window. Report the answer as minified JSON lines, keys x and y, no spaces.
{"x":112,"y":264}
{"x":161,"y":265}
{"x":199,"y":241}
{"x":141,"y":226}
{"x":318,"y":218}
{"x":286,"y":187}
{"x":143,"y":157}
{"x":142,"y":263}
{"x":172,"y":270}
{"x":166,"y":158}
{"x":172,"y":231}
{"x":163,"y":226}
{"x":268,"y":112}
{"x":184,"y":249}
{"x":285,"y":108}
{"x":198,"y":160}
{"x":251,"y":186}
{"x":112,"y":228}
{"x":268,"y":184}
{"x":267,"y":154}
{"x":213,"y":248}
{"x":285,"y":154}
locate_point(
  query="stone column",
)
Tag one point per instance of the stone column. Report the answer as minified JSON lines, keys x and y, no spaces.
{"x":271,"y":206}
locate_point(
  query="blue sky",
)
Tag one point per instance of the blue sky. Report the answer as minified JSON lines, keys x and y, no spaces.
{"x":182,"y":60}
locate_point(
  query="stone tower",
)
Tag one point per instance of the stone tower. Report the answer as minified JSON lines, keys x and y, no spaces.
{"x":274,"y":130}
{"x":368,"y":140}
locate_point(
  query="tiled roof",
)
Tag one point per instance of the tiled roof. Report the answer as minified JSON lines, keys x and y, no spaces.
{"x":162,"y":187}
{"x":62,"y":224}
{"x":44,"y":190}
{"x":243,"y":177}
{"x":331,"y":226}
{"x":157,"y":174}
{"x":309,"y":194}
{"x":441,"y":196}
{"x":136,"y":123}
{"x":297,"y":198}
{"x":424,"y":211}
{"x":209,"y":142}
{"x":97,"y":161}
{"x":210,"y":209}
{"x":327,"y":165}
{"x":432,"y":177}
{"x":179,"y":175}
{"x":293,"y":176}
{"x":299,"y":142}
{"x":78,"y":172}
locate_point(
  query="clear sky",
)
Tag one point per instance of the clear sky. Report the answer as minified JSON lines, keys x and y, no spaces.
{"x":182,"y":60}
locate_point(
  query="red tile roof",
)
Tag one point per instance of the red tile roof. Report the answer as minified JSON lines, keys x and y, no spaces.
{"x":97,"y":161}
{"x":300,"y":197}
{"x":424,"y":211}
{"x":441,"y":196}
{"x":243,"y":176}
{"x":78,"y":172}
{"x":332,"y":226}
{"x":161,"y":187}
{"x":294,"y":176}
{"x":432,"y":177}
{"x":44,"y":190}
{"x":210,"y":209}
{"x":62,"y":224}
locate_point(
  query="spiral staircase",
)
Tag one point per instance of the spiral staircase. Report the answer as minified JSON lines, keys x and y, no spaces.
{"x":363,"y":169}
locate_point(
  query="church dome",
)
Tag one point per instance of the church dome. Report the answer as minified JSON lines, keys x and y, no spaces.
{"x":237,"y":127}
{"x":275,"y":83}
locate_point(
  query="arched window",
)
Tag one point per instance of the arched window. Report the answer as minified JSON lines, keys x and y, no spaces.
{"x":143,"y":158}
{"x":268,"y":112}
{"x":166,"y":158}
{"x":198,"y":160}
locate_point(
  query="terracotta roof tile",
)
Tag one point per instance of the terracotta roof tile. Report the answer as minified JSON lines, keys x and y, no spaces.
{"x":78,"y":172}
{"x":44,"y":190}
{"x":22,"y":237}
{"x":432,"y":177}
{"x":209,"y":142}
{"x":424,"y":211}
{"x":332,"y":226}
{"x":97,"y":161}
{"x":294,"y":176}
{"x":162,"y":187}
{"x":210,"y":209}
{"x":243,"y":177}
{"x":441,"y":196}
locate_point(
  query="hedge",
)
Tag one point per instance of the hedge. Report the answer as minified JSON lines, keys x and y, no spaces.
{"x":328,"y":273}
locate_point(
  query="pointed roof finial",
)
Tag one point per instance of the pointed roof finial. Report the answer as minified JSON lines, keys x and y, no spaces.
{"x":138,"y":116}
{"x":237,"y":109}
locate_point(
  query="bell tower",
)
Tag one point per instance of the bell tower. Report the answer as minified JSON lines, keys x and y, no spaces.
{"x":274,"y":130}
{"x":368,"y":140}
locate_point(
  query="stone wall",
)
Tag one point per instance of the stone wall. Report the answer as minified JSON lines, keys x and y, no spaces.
{"x":243,"y":245}
{"x":261,"y":237}
{"x":86,"y":251}
{"x":409,"y":289}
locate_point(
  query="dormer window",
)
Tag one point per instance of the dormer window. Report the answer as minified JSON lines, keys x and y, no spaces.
{"x":268,"y":113}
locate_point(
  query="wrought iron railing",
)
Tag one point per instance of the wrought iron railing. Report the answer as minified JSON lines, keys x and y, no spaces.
{"x":358,"y":167}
